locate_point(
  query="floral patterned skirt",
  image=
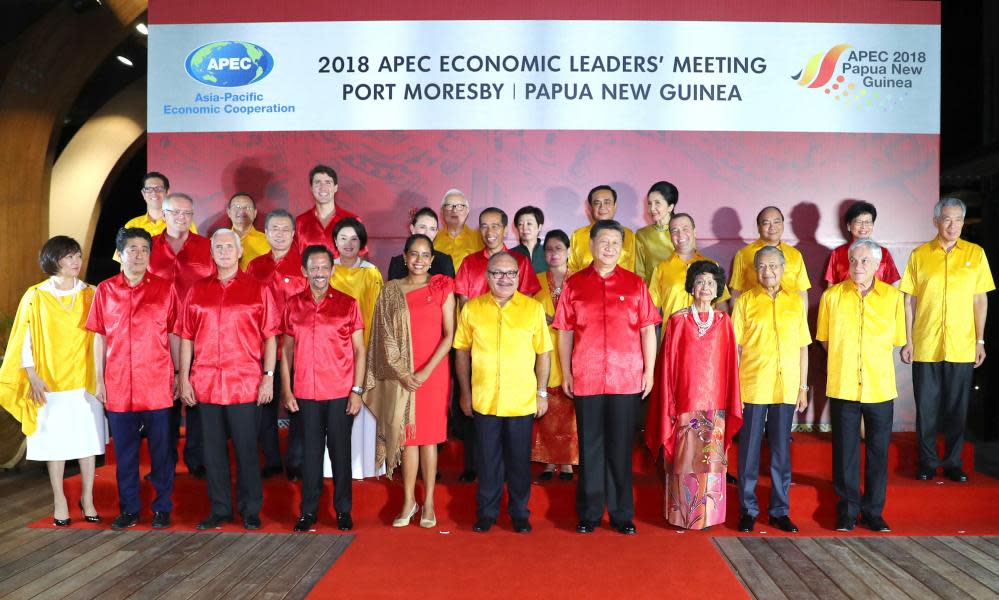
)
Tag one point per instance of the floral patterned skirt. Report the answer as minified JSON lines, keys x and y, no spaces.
{"x":695,"y":481}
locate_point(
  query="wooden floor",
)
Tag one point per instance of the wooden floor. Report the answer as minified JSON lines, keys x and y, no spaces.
{"x":865,"y":566}
{"x":79,"y":564}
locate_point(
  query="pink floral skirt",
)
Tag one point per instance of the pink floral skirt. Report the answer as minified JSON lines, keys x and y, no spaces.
{"x":695,"y":481}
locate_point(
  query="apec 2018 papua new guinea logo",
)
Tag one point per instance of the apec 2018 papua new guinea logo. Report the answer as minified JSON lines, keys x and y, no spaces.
{"x":861,"y":78}
{"x":229,"y":63}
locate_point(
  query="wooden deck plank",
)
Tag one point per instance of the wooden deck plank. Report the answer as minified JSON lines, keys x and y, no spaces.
{"x":94,"y":572}
{"x":146,"y":549}
{"x":55,"y":542}
{"x":858,"y":564}
{"x":241,"y":566}
{"x":845,"y":579}
{"x":176,"y":571}
{"x":807,"y":572}
{"x":910,"y":567}
{"x":982,"y":567}
{"x":775,"y":566}
{"x":310,"y":554}
{"x":319,"y":568}
{"x":750,"y":572}
{"x":168,"y":561}
{"x":294,"y":546}
{"x":944,"y":561}
{"x":986,"y":554}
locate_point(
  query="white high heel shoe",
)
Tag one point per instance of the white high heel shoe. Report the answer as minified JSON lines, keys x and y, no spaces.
{"x":404,"y":521}
{"x":428,"y":523}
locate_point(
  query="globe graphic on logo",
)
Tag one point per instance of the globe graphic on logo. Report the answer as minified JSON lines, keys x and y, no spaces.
{"x":229,"y":64}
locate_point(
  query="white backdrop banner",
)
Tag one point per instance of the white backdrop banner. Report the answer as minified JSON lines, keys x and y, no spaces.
{"x":551,"y":75}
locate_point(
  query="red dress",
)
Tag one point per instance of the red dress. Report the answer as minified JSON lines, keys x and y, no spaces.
{"x":426,"y":328}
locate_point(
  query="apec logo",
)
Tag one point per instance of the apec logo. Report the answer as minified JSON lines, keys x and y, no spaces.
{"x":229,"y":64}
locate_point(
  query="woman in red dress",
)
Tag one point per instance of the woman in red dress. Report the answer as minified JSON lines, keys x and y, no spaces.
{"x":408,"y":380}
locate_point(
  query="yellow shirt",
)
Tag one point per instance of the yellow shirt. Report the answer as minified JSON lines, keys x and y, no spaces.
{"x":467,"y":242}
{"x":652,"y":246}
{"x":861,"y":332}
{"x":254,"y":245}
{"x":945,"y":285}
{"x":744,"y":271}
{"x":580,"y":256}
{"x":545,"y":298}
{"x":772,"y":332}
{"x":364,"y":284}
{"x":153,"y":227}
{"x":669,"y":281}
{"x":504,"y":342}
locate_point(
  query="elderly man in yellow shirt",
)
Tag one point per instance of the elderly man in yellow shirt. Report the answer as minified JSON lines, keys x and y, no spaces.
{"x":668,"y":283}
{"x":945,"y":284}
{"x":770,"y":224}
{"x":504,"y":387}
{"x":602,"y":201}
{"x":771,"y":334}
{"x":242,"y":211}
{"x":861,"y":321}
{"x":457,"y":239}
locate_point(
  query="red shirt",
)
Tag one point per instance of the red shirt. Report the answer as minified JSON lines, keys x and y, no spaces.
{"x":138,"y":372}
{"x":228,"y":323}
{"x":309,"y":231}
{"x":606,"y":314}
{"x":283,"y":276}
{"x":324,"y":355}
{"x":471,"y":278}
{"x":839,"y":266}
{"x":193,"y":262}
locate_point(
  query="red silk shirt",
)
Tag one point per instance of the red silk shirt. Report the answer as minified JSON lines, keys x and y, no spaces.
{"x":470,"y":281}
{"x":193,"y":262}
{"x":605,"y":315}
{"x":135,"y":321}
{"x":228,"y":323}
{"x":324,"y":355}
{"x":838,"y":269}
{"x":309,"y":230}
{"x":283,"y":276}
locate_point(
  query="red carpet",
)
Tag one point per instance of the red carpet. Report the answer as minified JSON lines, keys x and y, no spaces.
{"x":452,"y":560}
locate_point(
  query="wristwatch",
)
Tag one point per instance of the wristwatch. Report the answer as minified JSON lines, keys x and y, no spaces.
{"x":269,"y":373}
{"x":804,"y":388}
{"x":357,"y":390}
{"x":542,"y":393}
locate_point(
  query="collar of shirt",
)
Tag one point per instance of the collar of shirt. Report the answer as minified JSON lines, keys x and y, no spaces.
{"x":958,"y":245}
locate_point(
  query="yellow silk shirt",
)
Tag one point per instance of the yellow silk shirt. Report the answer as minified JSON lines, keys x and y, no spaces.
{"x":254,"y":245}
{"x":744,"y":271}
{"x":771,"y":332}
{"x":580,"y":256}
{"x":862,"y":333}
{"x":504,"y":342}
{"x":364,"y":284}
{"x":945,"y":285}
{"x":652,"y":246}
{"x":153,"y":227}
{"x":545,"y":298}
{"x":465,"y":243}
{"x":668,"y":285}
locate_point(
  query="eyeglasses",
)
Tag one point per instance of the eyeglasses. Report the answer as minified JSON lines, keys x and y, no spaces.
{"x":159,"y":189}
{"x":455,"y":207}
{"x":187,"y":214}
{"x":503,"y":274}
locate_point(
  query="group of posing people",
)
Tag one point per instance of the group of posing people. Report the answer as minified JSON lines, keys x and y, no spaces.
{"x":543,"y":352}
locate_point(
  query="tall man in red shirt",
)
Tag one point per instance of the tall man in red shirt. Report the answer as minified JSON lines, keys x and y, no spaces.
{"x":315,"y":226}
{"x":228,"y":326}
{"x":132,"y":318}
{"x":607,"y":344}
{"x":281,"y":270}
{"x":182,"y":257}
{"x":324,"y":343}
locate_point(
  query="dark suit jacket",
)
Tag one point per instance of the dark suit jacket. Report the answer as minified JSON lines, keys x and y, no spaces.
{"x":442,"y":265}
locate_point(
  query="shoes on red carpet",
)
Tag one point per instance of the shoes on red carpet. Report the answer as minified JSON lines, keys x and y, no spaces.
{"x":875,"y":524}
{"x":586,"y":527}
{"x":565,"y":476}
{"x":161,"y":520}
{"x":731,"y":479}
{"x":251,"y":522}
{"x":845,"y":523}
{"x":925,"y":473}
{"x":624,"y":527}
{"x":89,"y":518}
{"x":270,"y":471}
{"x":344,"y":522}
{"x":467,"y":476}
{"x":307,"y":522}
{"x":124,"y":521}
{"x":521,"y":526}
{"x":784,"y":523}
{"x":199,"y":472}
{"x":483,"y":525}
{"x":294,"y":474}
{"x":956,"y":474}
{"x":546,"y":475}
{"x":62,"y":522}
{"x":746,"y":523}
{"x":213,"y":522}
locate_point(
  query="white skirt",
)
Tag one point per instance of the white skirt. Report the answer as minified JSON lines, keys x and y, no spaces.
{"x":362,"y":448}
{"x":70,"y":425}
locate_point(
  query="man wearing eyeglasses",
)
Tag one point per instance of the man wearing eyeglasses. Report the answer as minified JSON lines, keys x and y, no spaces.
{"x":155,"y":187}
{"x":242,"y":211}
{"x":458,"y":239}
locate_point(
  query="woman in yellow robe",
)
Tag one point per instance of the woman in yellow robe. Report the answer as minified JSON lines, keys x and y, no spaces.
{"x":652,"y":242}
{"x":47,"y":377}
{"x":362,"y":281}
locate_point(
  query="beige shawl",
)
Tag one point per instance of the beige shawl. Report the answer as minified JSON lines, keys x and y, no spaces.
{"x":390,"y":356}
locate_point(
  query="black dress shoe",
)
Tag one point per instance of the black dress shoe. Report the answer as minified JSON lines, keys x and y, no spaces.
{"x":213,"y":522}
{"x":546,"y":475}
{"x":294,"y":474}
{"x":784,"y":523}
{"x":565,"y":476}
{"x":585,"y":527}
{"x":89,"y":518}
{"x":925,"y":474}
{"x":271,"y":471}
{"x":305,"y":523}
{"x":956,"y":474}
{"x":521,"y":526}
{"x":875,"y":524}
{"x":344,"y":522}
{"x":467,"y":476}
{"x":124,"y":521}
{"x":845,"y":523}
{"x":199,"y":472}
{"x":483,"y":525}
{"x":251,"y":522}
{"x":62,"y":522}
{"x":731,"y":479}
{"x":161,"y":520}
{"x":746,"y":523}
{"x":624,"y":527}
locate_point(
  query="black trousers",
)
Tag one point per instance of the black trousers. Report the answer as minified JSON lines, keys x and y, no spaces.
{"x":461,"y":426}
{"x":127,"y":429}
{"x":269,"y":439}
{"x":240,"y":422}
{"x":606,"y":427}
{"x":775,"y":421}
{"x":504,"y":456}
{"x":877,"y":418}
{"x":943,"y":391}
{"x":193,"y":452}
{"x":325,"y":425}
